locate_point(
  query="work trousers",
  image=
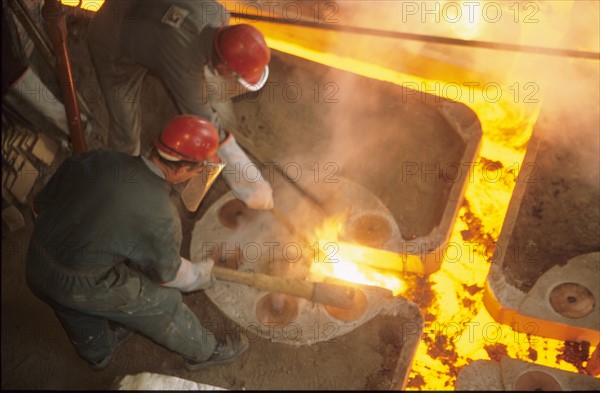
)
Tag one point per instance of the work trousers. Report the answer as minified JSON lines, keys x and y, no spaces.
{"x":121,"y":83}
{"x":86,"y":300}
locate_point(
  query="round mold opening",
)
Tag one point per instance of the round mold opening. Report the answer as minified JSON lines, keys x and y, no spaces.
{"x":277,"y":309}
{"x":354,"y":312}
{"x":234,"y":213}
{"x":536,"y":381}
{"x":369,"y":229}
{"x":572,"y":300}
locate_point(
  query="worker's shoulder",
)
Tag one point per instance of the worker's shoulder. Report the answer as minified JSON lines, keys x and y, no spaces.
{"x":102,"y":154}
{"x":204,"y":6}
{"x":102,"y":158}
{"x":200,"y":13}
{"x":176,"y":11}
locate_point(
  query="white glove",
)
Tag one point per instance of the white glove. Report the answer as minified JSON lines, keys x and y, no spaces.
{"x":244,"y":177}
{"x":193,"y":276}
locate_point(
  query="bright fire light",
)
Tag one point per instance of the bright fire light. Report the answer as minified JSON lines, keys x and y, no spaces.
{"x":347,"y":261}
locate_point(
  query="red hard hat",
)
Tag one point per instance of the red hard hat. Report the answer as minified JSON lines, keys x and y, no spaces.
{"x":188,"y":138}
{"x":243,"y":50}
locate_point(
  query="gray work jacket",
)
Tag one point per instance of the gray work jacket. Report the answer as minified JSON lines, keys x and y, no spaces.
{"x":103,"y":209}
{"x":173,"y":39}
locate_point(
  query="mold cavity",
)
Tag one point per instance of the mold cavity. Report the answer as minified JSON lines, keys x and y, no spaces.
{"x":371,"y":230}
{"x":358,"y":308}
{"x":276,"y":309}
{"x":536,"y":381}
{"x":234,"y":213}
{"x":572,"y":300}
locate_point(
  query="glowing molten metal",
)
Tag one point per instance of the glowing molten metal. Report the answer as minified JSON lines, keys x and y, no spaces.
{"x":351,"y":262}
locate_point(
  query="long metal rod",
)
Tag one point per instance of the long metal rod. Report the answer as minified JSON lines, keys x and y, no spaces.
{"x":57,"y":31}
{"x":319,"y":205}
{"x":426,"y":38}
{"x":290,"y":227}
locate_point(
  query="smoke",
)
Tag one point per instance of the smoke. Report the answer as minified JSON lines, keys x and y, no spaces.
{"x":570,"y":117}
{"x":569,"y":94}
{"x":565,"y":88}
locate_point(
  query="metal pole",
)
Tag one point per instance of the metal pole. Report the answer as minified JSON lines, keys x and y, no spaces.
{"x":57,"y":32}
{"x":427,"y":38}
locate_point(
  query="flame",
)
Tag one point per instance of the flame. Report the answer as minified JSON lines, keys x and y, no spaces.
{"x":346,"y":261}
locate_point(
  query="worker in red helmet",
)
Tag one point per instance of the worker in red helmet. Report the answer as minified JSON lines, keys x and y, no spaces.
{"x":184,"y":43}
{"x":105,"y":251}
{"x":240,"y":52}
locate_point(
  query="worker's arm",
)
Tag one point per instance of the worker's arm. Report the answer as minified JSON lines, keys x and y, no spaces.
{"x":192,"y":276}
{"x":244,"y":177}
{"x":182,"y":71}
{"x":190,"y":92}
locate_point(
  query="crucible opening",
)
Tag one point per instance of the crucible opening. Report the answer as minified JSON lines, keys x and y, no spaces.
{"x":233,"y":213}
{"x":277,"y":309}
{"x":536,"y":381}
{"x":572,"y":300}
{"x":373,"y":230}
{"x":358,"y":308}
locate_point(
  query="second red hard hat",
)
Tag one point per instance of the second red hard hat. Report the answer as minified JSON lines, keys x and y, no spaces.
{"x":242,"y":49}
{"x":188,"y":138}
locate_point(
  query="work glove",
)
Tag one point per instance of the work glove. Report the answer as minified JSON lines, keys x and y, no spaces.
{"x":244,"y":177}
{"x":193,"y":276}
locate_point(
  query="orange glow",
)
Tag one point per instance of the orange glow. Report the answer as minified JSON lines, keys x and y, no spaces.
{"x":458,"y":329}
{"x":88,"y":5}
{"x":347,"y":261}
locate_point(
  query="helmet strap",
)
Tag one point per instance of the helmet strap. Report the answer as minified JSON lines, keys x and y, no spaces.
{"x":174,"y":152}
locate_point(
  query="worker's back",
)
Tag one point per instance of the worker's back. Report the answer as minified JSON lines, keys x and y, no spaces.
{"x":103,"y":208}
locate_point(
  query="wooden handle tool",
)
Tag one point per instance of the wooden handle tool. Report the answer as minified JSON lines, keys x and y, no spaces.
{"x":340,"y":296}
